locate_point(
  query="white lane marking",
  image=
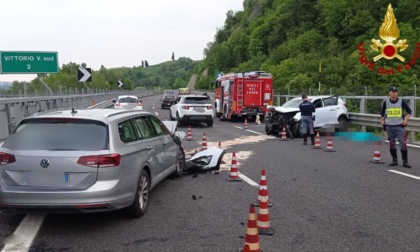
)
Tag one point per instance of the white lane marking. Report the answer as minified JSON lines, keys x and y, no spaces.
{"x":248,"y":130}
{"x":248,"y":180}
{"x":405,"y":174}
{"x":411,"y":145}
{"x":157,"y":113}
{"x":153,"y":108}
{"x":24,"y":235}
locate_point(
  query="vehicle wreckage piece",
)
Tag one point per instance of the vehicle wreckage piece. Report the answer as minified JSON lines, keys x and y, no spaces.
{"x":206,"y":160}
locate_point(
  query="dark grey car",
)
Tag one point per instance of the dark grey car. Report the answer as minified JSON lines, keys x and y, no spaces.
{"x":87,"y":160}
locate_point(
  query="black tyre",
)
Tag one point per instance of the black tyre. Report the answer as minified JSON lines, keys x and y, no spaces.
{"x":268,"y":129}
{"x":179,"y":120}
{"x":170,"y":115}
{"x":298,"y":129}
{"x":210,"y":123}
{"x":342,"y":120}
{"x":180,"y":164}
{"x":141,"y":200}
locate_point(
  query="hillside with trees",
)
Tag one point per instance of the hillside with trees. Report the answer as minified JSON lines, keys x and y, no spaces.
{"x":167,"y":75}
{"x":291,"y":38}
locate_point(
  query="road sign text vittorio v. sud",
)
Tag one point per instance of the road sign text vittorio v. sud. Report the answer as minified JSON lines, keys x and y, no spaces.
{"x":28,"y":62}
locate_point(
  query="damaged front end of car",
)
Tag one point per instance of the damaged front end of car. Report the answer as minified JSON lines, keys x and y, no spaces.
{"x":205,"y":160}
{"x":278,"y":118}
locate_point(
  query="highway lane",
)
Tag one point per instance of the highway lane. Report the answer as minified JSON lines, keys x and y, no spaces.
{"x":322,"y":202}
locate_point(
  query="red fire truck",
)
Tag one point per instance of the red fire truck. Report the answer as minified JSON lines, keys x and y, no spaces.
{"x":243,"y":95}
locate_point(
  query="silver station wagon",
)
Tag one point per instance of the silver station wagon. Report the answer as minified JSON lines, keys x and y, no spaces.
{"x":87,"y":161}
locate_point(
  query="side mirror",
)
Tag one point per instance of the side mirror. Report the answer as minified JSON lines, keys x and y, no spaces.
{"x":177,"y":140}
{"x":114,"y":101}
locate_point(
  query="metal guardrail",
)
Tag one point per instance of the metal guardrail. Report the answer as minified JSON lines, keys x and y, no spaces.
{"x":375,"y":121}
{"x":13,"y":110}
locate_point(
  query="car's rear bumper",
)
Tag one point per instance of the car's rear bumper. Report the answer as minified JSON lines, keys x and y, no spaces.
{"x":103,"y":196}
{"x":202,"y":118}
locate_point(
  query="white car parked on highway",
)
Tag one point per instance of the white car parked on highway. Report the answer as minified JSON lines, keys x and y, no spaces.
{"x":192,"y":108}
{"x":127,"y":102}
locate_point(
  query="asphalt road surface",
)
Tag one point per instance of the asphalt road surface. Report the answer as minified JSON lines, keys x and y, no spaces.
{"x":322,"y":201}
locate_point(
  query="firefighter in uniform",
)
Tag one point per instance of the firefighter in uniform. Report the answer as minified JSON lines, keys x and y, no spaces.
{"x":306,"y":109}
{"x":394,"y":121}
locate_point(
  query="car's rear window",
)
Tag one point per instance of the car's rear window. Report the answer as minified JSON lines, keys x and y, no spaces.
{"x":128,"y":100}
{"x":59,"y":134}
{"x":197,"y":100}
{"x":169,"y":98}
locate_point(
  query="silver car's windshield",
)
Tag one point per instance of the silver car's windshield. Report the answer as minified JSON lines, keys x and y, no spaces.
{"x":59,"y":134}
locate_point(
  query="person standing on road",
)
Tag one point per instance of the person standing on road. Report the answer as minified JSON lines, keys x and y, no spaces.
{"x":306,"y":110}
{"x":393,"y":119}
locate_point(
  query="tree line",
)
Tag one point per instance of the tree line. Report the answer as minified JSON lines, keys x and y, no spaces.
{"x":292,"y":38}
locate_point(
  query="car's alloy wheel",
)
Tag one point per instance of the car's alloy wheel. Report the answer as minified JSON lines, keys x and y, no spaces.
{"x":180,"y":163}
{"x":141,"y":199}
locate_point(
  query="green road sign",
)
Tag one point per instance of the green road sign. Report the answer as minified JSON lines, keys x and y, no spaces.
{"x":28,"y":62}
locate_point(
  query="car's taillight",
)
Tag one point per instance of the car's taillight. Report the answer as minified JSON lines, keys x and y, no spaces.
{"x":100,"y":161}
{"x":117,"y":104}
{"x":139,"y":104}
{"x":209,"y":107}
{"x":185,"y":107}
{"x":6,"y":158}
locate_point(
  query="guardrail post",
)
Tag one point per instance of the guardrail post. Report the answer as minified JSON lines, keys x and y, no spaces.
{"x":413,"y":114}
{"x":278,"y":100}
{"x":363,"y":110}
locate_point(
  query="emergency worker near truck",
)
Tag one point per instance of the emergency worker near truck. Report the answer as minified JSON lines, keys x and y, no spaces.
{"x":307,"y":109}
{"x":393,"y":119}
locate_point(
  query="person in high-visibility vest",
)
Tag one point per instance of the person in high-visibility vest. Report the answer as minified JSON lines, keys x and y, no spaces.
{"x":393,"y":119}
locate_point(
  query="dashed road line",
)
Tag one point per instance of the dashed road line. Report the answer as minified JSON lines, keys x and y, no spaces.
{"x":405,"y":174}
{"x":255,"y":132}
{"x":156,"y":113}
{"x":24,"y":235}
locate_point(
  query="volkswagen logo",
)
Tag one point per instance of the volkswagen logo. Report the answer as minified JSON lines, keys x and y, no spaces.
{"x":44,"y":163}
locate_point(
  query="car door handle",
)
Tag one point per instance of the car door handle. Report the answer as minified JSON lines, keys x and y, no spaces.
{"x":332,"y":109}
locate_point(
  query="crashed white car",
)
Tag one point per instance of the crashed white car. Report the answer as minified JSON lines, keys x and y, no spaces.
{"x":330,"y":111}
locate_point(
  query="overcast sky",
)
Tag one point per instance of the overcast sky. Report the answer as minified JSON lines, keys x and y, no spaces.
{"x":113,"y":33}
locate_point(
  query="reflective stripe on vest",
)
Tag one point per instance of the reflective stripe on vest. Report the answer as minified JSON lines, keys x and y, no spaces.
{"x":393,"y":112}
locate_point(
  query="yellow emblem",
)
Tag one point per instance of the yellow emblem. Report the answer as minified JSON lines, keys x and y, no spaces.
{"x":389,"y":32}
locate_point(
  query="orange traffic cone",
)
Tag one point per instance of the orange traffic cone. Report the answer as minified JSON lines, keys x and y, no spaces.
{"x":263,"y":221}
{"x":317,"y":141}
{"x":189,"y":136}
{"x":263,"y":186}
{"x":234,"y":175}
{"x":376,"y":158}
{"x":251,"y":237}
{"x":204,"y":143}
{"x":246,"y":124}
{"x":330,"y":147}
{"x":283,"y":135}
